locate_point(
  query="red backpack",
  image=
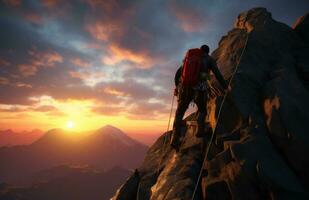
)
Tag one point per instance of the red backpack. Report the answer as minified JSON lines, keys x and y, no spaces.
{"x":191,"y":67}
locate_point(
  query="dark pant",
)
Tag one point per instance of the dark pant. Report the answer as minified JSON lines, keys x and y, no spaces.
{"x":185,"y":96}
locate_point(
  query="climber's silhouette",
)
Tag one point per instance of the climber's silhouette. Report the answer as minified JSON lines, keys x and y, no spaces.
{"x":191,"y":84}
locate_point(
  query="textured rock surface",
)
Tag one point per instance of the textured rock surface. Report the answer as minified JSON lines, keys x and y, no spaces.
{"x":261,"y":146}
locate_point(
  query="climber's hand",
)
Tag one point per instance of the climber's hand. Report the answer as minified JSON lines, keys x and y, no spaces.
{"x":175,"y":92}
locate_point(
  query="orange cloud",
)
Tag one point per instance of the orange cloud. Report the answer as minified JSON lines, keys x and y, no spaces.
{"x":76,"y":74}
{"x":113,"y":91}
{"x":4,"y":81}
{"x":45,"y":59}
{"x":20,"y":84}
{"x":80,"y":63}
{"x":103,"y":31}
{"x":118,"y":54}
{"x":27,"y":70}
{"x":190,"y":20}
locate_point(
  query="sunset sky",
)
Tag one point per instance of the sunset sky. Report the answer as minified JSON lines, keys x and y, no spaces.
{"x":88,"y":63}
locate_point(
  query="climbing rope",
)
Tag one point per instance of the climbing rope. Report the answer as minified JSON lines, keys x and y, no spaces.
{"x":138,"y":188}
{"x":168,"y":126}
{"x":171,"y":111}
{"x":219,"y":113}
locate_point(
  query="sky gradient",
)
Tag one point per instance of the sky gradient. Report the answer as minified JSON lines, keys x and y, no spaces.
{"x":97,"y":62}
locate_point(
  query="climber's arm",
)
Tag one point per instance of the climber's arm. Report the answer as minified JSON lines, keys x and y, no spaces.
{"x":218,"y":75}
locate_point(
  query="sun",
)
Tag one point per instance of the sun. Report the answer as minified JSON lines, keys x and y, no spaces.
{"x":70,"y":124}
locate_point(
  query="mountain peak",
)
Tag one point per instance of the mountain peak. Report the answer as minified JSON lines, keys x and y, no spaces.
{"x":110,"y":128}
{"x":115,"y":133}
{"x":55,"y":136}
{"x":252,"y":19}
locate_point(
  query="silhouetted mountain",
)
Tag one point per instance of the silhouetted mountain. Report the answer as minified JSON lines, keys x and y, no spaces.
{"x":56,"y":137}
{"x":261,"y":143}
{"x":103,"y":149}
{"x":111,"y":134}
{"x":68,"y":182}
{"x":114,"y":146}
{"x":12,"y":138}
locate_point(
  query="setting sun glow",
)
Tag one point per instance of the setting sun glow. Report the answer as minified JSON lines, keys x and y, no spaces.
{"x":79,"y":115}
{"x":70,"y":124}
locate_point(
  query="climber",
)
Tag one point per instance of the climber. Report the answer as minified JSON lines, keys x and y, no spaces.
{"x":191,"y":84}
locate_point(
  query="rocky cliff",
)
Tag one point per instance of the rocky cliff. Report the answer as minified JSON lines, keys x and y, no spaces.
{"x":261,"y":144}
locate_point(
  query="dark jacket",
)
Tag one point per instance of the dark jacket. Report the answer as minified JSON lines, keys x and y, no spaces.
{"x":209,"y":64}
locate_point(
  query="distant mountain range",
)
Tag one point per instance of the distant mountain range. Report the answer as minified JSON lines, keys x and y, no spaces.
{"x":68,"y":182}
{"x":103,"y":149}
{"x":10,"y":138}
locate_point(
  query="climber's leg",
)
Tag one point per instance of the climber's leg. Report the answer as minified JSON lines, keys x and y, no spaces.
{"x":184,"y":99}
{"x":201,"y":102}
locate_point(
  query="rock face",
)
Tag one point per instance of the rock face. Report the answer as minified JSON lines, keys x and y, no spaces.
{"x":261,"y":144}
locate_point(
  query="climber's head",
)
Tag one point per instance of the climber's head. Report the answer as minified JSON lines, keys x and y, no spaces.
{"x":205,"y":48}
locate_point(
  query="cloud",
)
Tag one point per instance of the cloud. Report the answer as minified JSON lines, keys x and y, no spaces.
{"x":129,"y":34}
{"x":112,"y":91}
{"x":80,"y":63}
{"x":48,"y":110}
{"x":79,"y":75}
{"x":45,"y":59}
{"x":103,"y":31}
{"x":117,"y":54}
{"x":27,"y":70}
{"x":120,"y":54}
{"x":89,"y":78}
{"x":4,"y":62}
{"x":4,"y":81}
{"x":12,"y":108}
{"x":21,"y":84}
{"x":39,"y":59}
{"x":190,"y":19}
